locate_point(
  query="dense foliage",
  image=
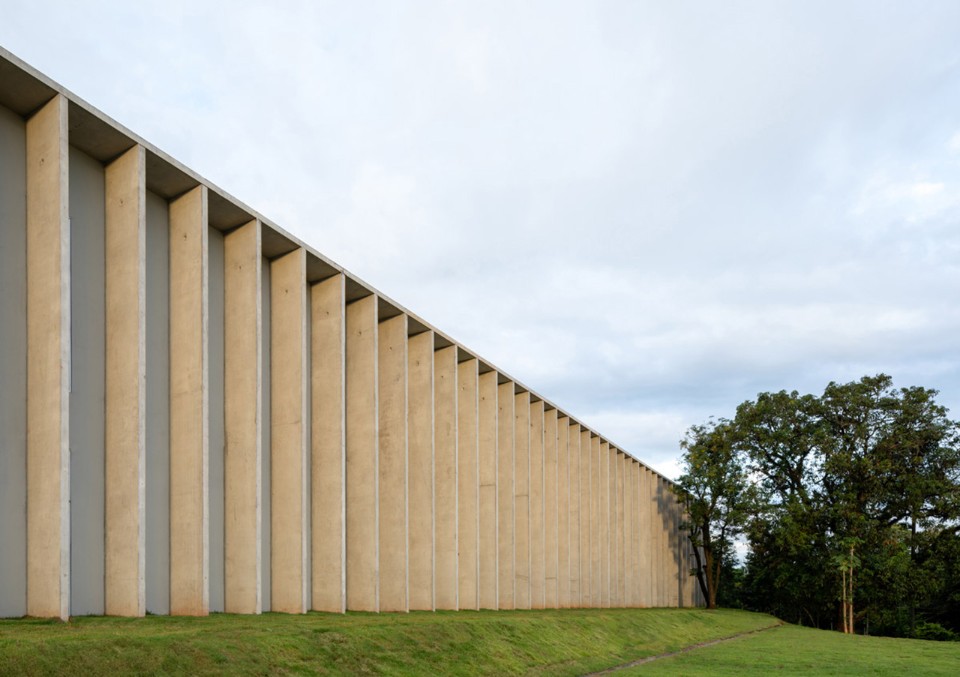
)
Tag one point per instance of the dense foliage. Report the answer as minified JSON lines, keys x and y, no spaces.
{"x":848,"y":505}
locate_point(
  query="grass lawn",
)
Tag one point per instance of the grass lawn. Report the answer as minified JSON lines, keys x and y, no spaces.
{"x":570,"y":642}
{"x":794,"y":650}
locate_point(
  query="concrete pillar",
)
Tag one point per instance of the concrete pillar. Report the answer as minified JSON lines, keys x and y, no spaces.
{"x":598,"y":562}
{"x":616,"y":531}
{"x":622,"y":534}
{"x":288,"y":432}
{"x":363,"y":574}
{"x":537,"y":576}
{"x":629,"y":528}
{"x":445,"y":482}
{"x":328,"y":446}
{"x":522,"y":494}
{"x":606,"y":525}
{"x":550,"y":509}
{"x":243,"y":418}
{"x":392,"y":386}
{"x":420,"y":469}
{"x":468,"y":486}
{"x":587,"y":516}
{"x":647,"y":516}
{"x":506,"y":496}
{"x":189,"y":405}
{"x":48,"y":363}
{"x":563,"y":512}
{"x":488,"y":468}
{"x":125,"y":384}
{"x":576,"y":521}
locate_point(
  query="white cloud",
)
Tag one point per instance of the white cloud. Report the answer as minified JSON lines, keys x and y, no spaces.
{"x":646,"y":212}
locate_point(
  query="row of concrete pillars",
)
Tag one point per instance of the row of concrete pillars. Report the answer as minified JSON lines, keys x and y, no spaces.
{"x":320,"y":449}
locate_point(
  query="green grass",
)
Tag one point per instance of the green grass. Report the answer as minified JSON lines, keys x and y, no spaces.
{"x":794,"y":650}
{"x":570,"y":642}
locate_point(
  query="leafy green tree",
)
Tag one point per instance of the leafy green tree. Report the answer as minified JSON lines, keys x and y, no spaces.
{"x":717,"y":495}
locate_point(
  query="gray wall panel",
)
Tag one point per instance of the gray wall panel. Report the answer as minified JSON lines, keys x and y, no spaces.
{"x":87,"y":389}
{"x":158,"y":405}
{"x":216,"y":429}
{"x":13,"y":366}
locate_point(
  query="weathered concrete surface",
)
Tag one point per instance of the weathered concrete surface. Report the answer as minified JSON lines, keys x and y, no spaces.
{"x":446,"y":581}
{"x":487,"y":453}
{"x":468,"y":486}
{"x":421,"y":470}
{"x":506,"y":502}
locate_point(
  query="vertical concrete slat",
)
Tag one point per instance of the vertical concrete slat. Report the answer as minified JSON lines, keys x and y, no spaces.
{"x":563,"y":512}
{"x":636,"y":528}
{"x":622,"y":533}
{"x":125,"y":384}
{"x":629,"y":568}
{"x":604,"y":522}
{"x":363,"y":574}
{"x":421,"y":470}
{"x":616,"y":547}
{"x":392,"y":394}
{"x":468,"y":486}
{"x":445,"y":481}
{"x":288,"y":432}
{"x":506,"y":496}
{"x":487,"y":454}
{"x":587,"y":513}
{"x":550,"y":510}
{"x":328,"y":446}
{"x":522,"y":505}
{"x":189,"y":405}
{"x":597,"y":538}
{"x":574,"y":463}
{"x":48,"y":362}
{"x":537,"y":552}
{"x":649,"y":510}
{"x":243,"y":418}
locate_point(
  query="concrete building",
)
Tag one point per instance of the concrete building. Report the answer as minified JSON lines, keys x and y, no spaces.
{"x":199,"y":413}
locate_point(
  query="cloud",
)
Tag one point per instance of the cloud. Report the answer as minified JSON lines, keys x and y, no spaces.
{"x":646,"y":212}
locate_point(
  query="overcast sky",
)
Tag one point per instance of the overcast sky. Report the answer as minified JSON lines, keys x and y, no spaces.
{"x":647,"y":212}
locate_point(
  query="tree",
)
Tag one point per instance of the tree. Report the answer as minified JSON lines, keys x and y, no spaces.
{"x":717,"y":496}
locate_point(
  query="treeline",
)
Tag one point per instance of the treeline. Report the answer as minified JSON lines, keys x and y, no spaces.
{"x":848,"y":505}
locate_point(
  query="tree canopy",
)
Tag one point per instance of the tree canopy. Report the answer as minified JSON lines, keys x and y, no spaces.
{"x":847,"y":504}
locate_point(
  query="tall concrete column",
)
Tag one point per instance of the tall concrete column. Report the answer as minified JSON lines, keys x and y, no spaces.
{"x":363,"y":527}
{"x":125,"y":228}
{"x":328,"y":446}
{"x":550,"y":509}
{"x":522,"y":493}
{"x":488,"y":468}
{"x":614,"y":529}
{"x":468,"y":486}
{"x":563,"y":512}
{"x":587,"y":515}
{"x":537,"y":559}
{"x":189,"y":405}
{"x":445,"y":482}
{"x":243,"y":418}
{"x":622,"y":535}
{"x":392,"y":385}
{"x":629,"y":522}
{"x":506,"y":496}
{"x":420,"y":469}
{"x":648,"y":516}
{"x":48,"y":363}
{"x":288,"y":432}
{"x":598,"y":564}
{"x":576,"y":520}
{"x":606,"y":524}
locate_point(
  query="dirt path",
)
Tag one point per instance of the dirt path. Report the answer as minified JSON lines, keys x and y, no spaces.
{"x":686,"y":649}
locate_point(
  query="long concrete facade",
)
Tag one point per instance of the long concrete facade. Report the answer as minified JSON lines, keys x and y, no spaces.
{"x":201,"y":413}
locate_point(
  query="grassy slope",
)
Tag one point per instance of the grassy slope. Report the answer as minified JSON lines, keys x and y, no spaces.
{"x":794,"y":650}
{"x":465,"y":643}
